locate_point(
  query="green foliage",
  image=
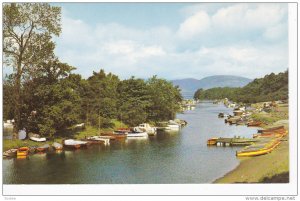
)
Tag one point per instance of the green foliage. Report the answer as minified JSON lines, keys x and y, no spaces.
{"x":271,"y":87}
{"x":42,"y":94}
{"x":164,"y":99}
{"x":133,"y":101}
{"x":27,"y":34}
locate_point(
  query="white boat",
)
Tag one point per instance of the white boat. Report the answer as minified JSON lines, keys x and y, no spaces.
{"x":137,"y":133}
{"x":74,"y":143}
{"x":147,"y":128}
{"x":99,"y":139}
{"x":172,"y":126}
{"x":57,"y":146}
{"x":38,"y":139}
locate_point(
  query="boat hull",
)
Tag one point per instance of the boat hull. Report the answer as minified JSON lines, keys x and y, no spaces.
{"x":23,"y":151}
{"x":144,"y":134}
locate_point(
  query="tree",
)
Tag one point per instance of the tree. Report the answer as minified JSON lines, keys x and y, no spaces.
{"x":198,"y":93}
{"x":100,"y":98}
{"x":27,"y":33}
{"x":133,"y":101}
{"x":51,"y":101}
{"x":164,"y":99}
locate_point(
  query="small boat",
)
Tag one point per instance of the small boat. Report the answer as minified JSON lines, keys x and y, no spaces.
{"x":70,"y":143}
{"x":254,"y":123}
{"x":221,"y":115}
{"x":108,"y":136}
{"x":147,"y":128}
{"x":32,"y":150}
{"x":23,"y":151}
{"x":36,"y":137}
{"x":57,"y":146}
{"x":172,"y":126}
{"x":119,"y":134}
{"x":42,"y":139}
{"x":257,"y":150}
{"x":137,"y":133}
{"x":277,"y":128}
{"x":43,"y":148}
{"x":181,"y":122}
{"x":97,"y":140}
{"x":10,"y":153}
{"x":212,"y":141}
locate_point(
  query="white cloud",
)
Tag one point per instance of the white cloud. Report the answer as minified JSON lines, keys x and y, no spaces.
{"x":239,"y":39}
{"x":194,"y":25}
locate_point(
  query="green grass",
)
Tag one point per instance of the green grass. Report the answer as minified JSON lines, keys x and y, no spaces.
{"x":9,"y":144}
{"x":268,"y":119}
{"x":91,"y":131}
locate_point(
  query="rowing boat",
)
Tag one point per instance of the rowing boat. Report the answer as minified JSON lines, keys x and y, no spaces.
{"x":57,"y":146}
{"x":273,"y":129}
{"x":10,"y":153}
{"x":97,"y":140}
{"x":75,"y":144}
{"x":43,"y":148}
{"x":258,"y":150}
{"x":212,"y":141}
{"x":23,"y":151}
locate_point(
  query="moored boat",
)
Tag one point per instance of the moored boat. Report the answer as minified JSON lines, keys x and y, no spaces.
{"x":75,"y":144}
{"x":10,"y":153}
{"x":260,"y":149}
{"x":23,"y":151}
{"x":137,"y":133}
{"x":57,"y":146}
{"x":147,"y":128}
{"x":172,"y":126}
{"x":274,"y":129}
{"x":212,"y":141}
{"x":254,"y":123}
{"x":97,"y":140}
{"x":43,"y":148}
{"x":108,"y":136}
{"x":37,"y":138}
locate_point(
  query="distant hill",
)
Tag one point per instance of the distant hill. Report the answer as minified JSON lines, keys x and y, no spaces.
{"x":269,"y":88}
{"x":188,"y":86}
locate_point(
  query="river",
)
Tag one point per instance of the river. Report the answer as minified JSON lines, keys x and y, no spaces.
{"x":167,"y":158}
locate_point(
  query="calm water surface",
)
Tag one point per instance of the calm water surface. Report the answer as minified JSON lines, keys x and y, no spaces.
{"x":166,"y":158}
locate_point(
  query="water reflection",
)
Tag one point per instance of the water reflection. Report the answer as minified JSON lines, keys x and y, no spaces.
{"x":181,"y":157}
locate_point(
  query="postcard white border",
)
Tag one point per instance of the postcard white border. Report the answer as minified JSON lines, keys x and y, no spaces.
{"x":191,"y":189}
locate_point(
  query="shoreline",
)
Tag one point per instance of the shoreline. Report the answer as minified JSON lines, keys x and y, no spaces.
{"x":254,"y":170}
{"x":268,"y":168}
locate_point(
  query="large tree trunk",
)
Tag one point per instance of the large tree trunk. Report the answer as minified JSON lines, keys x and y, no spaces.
{"x":17,"y":100}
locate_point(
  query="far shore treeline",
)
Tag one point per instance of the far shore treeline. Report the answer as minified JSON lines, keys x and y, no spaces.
{"x":44,"y":96}
{"x":269,"y":88}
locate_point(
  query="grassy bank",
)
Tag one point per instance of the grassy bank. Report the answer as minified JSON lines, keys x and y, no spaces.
{"x":269,"y":168}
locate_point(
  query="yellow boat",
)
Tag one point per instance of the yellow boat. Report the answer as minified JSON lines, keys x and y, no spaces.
{"x":212,"y":141}
{"x":22,"y":151}
{"x":260,"y":151}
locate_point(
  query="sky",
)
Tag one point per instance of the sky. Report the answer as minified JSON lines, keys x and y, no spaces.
{"x":174,"y":40}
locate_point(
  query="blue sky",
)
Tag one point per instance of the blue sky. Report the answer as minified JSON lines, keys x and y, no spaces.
{"x":174,"y":40}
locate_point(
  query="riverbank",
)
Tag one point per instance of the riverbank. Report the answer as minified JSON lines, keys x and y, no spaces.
{"x":269,"y":168}
{"x":71,"y":133}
